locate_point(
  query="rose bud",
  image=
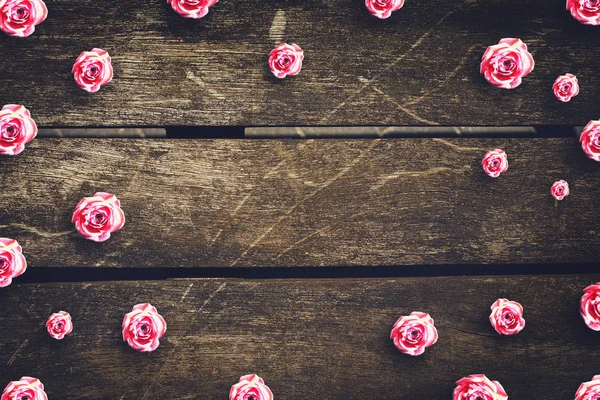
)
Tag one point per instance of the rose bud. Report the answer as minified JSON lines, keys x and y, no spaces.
{"x":560,"y":189}
{"x":12,"y":261}
{"x":19,"y":17}
{"x":17,"y":128}
{"x":286,"y":60}
{"x":383,"y":8}
{"x":98,"y":216}
{"x":507,"y":317}
{"x":589,"y":390}
{"x":192,"y":8}
{"x":143,"y":327}
{"x":92,"y":69}
{"x":590,"y":140}
{"x":59,"y":324}
{"x":589,"y":306}
{"x":566,"y":87}
{"x":505,"y":64}
{"x":495,"y":162}
{"x":414,"y":333}
{"x":24,"y":389}
{"x":478,"y":387}
{"x":250,"y":387}
{"x":585,"y":11}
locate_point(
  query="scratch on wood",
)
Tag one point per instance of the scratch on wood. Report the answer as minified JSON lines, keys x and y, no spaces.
{"x":457,"y":147}
{"x":277,"y":30}
{"x":187,"y":291}
{"x":200,"y":82}
{"x":403,"y":108}
{"x":432,"y":171}
{"x":14,"y":356}
{"x":35,"y":230}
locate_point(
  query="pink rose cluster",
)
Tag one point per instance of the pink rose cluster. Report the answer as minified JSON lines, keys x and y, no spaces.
{"x":20,"y":17}
{"x":192,"y":8}
{"x":250,"y":387}
{"x":383,"y":8}
{"x":505,"y":64}
{"x":286,"y":60}
{"x":143,"y":327}
{"x":26,"y":388}
{"x":92,"y":69}
{"x":585,"y":11}
{"x":59,"y":325}
{"x":590,"y":306}
{"x":12,"y":261}
{"x":495,"y":162}
{"x":96,"y":217}
{"x":566,"y":87}
{"x":560,"y":189}
{"x":17,"y":128}
{"x":507,"y":317}
{"x":590,"y":140}
{"x":412,"y":334}
{"x":478,"y":387}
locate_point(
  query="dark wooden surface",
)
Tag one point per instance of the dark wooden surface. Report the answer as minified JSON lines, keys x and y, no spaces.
{"x":304,"y":203}
{"x":309,"y":339}
{"x":420,"y":67}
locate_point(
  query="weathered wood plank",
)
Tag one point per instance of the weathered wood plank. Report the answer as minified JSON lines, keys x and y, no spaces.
{"x":420,"y":67}
{"x":309,"y":203}
{"x":309,"y":339}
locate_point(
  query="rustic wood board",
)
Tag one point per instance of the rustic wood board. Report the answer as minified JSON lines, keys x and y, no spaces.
{"x":420,"y":67}
{"x":309,"y":339}
{"x":216,"y":203}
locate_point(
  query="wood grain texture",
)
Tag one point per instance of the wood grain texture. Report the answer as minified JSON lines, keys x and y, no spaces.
{"x":216,"y":203}
{"x":420,"y":67}
{"x":309,"y":339}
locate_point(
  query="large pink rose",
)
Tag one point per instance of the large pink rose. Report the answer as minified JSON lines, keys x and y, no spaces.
{"x":17,"y":128}
{"x":478,"y":387}
{"x":589,"y":390}
{"x":98,"y":216}
{"x":589,"y":306}
{"x":12,"y":261}
{"x":286,"y":60}
{"x":24,"y":389}
{"x":507,"y":317}
{"x":143,"y":327}
{"x":505,"y":64}
{"x":383,"y":8}
{"x":495,"y":162}
{"x":92,"y":69}
{"x":585,"y":11}
{"x":590,"y":140}
{"x":19,"y":17}
{"x":192,"y":8}
{"x":250,"y":387}
{"x":566,"y":87}
{"x":560,"y":190}
{"x":414,"y":333}
{"x":59,"y":324}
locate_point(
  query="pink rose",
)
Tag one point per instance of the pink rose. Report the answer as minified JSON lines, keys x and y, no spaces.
{"x":19,"y":17}
{"x":589,"y":306}
{"x":192,"y":8}
{"x":143,"y":327}
{"x":478,"y":387}
{"x":383,"y":8}
{"x":505,"y":64}
{"x":250,"y":387}
{"x":585,"y":11}
{"x":565,"y":87}
{"x":507,"y":317}
{"x":560,"y":189}
{"x":414,"y":333}
{"x":589,"y":390}
{"x":98,"y":216}
{"x":590,"y":140}
{"x":92,"y":69}
{"x":24,"y":389}
{"x":495,"y":162}
{"x":12,"y":261}
{"x":17,"y":128}
{"x":59,"y":324}
{"x":286,"y":60}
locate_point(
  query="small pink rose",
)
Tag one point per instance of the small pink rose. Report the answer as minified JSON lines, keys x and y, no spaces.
{"x":414,"y":333}
{"x":585,"y":11}
{"x":590,"y":140}
{"x":560,"y":189}
{"x":17,"y":128}
{"x":26,"y":388}
{"x":495,"y":162}
{"x":98,"y":216}
{"x":566,"y":87}
{"x":383,"y":8}
{"x":59,"y":324}
{"x":92,"y":69}
{"x":250,"y":387}
{"x":286,"y":60}
{"x":143,"y":327}
{"x":192,"y":8}
{"x":19,"y":17}
{"x":507,"y":317}
{"x":589,"y":390}
{"x":505,"y":64}
{"x":589,"y":306}
{"x":478,"y":387}
{"x":12,"y":261}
